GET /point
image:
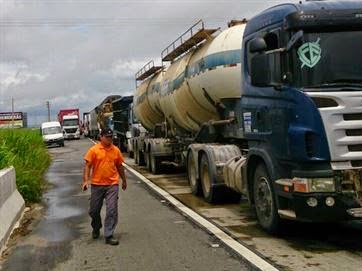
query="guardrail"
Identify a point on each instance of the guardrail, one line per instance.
(11, 204)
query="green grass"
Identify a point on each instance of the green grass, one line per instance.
(24, 149)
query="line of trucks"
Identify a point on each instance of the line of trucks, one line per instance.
(270, 108)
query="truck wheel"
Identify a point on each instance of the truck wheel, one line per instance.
(155, 164)
(140, 158)
(148, 160)
(135, 155)
(264, 198)
(208, 180)
(194, 180)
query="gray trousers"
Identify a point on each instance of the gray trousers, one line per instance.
(98, 194)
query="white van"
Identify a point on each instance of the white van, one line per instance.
(52, 133)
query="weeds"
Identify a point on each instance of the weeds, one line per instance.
(24, 149)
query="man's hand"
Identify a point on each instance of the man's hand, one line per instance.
(84, 186)
(124, 185)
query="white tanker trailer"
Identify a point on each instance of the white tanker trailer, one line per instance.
(188, 92)
(173, 102)
(176, 102)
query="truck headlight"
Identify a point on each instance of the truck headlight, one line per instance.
(311, 185)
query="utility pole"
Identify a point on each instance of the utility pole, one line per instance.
(12, 112)
(48, 107)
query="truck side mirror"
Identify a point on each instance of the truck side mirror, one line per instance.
(265, 69)
(257, 45)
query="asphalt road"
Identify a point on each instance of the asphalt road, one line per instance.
(152, 235)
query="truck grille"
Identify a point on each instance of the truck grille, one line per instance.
(71, 130)
(343, 126)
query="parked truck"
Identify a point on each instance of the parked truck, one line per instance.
(126, 125)
(86, 123)
(69, 119)
(269, 108)
(101, 116)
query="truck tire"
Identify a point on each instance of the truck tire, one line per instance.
(194, 181)
(155, 163)
(140, 158)
(264, 197)
(135, 155)
(148, 160)
(131, 153)
(212, 193)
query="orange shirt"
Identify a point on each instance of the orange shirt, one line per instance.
(104, 164)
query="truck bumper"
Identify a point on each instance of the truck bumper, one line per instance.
(317, 206)
(339, 211)
(72, 136)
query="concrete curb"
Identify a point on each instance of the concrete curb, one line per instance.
(12, 204)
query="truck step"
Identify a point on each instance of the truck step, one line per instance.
(355, 212)
(288, 214)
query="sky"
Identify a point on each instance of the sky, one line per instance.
(74, 53)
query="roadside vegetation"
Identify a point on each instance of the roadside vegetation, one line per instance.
(24, 149)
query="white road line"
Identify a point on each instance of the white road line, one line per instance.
(241, 250)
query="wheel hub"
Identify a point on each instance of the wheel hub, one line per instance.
(264, 198)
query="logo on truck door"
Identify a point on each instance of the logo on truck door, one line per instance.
(310, 53)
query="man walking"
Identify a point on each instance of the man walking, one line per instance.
(105, 160)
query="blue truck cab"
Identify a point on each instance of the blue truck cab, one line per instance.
(300, 114)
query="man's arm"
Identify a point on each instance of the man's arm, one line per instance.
(123, 177)
(86, 175)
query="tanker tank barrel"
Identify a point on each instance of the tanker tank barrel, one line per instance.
(176, 93)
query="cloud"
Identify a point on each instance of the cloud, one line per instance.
(14, 74)
(75, 53)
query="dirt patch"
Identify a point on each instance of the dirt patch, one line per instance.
(30, 218)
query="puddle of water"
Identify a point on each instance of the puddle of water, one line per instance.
(54, 231)
(62, 212)
(58, 161)
(193, 201)
(248, 231)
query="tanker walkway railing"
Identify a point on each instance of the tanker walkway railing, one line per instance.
(193, 36)
(147, 70)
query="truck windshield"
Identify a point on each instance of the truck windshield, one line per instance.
(70, 122)
(51, 130)
(329, 59)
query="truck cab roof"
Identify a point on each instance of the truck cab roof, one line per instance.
(50, 124)
(277, 14)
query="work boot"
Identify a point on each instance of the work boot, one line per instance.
(95, 234)
(112, 241)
